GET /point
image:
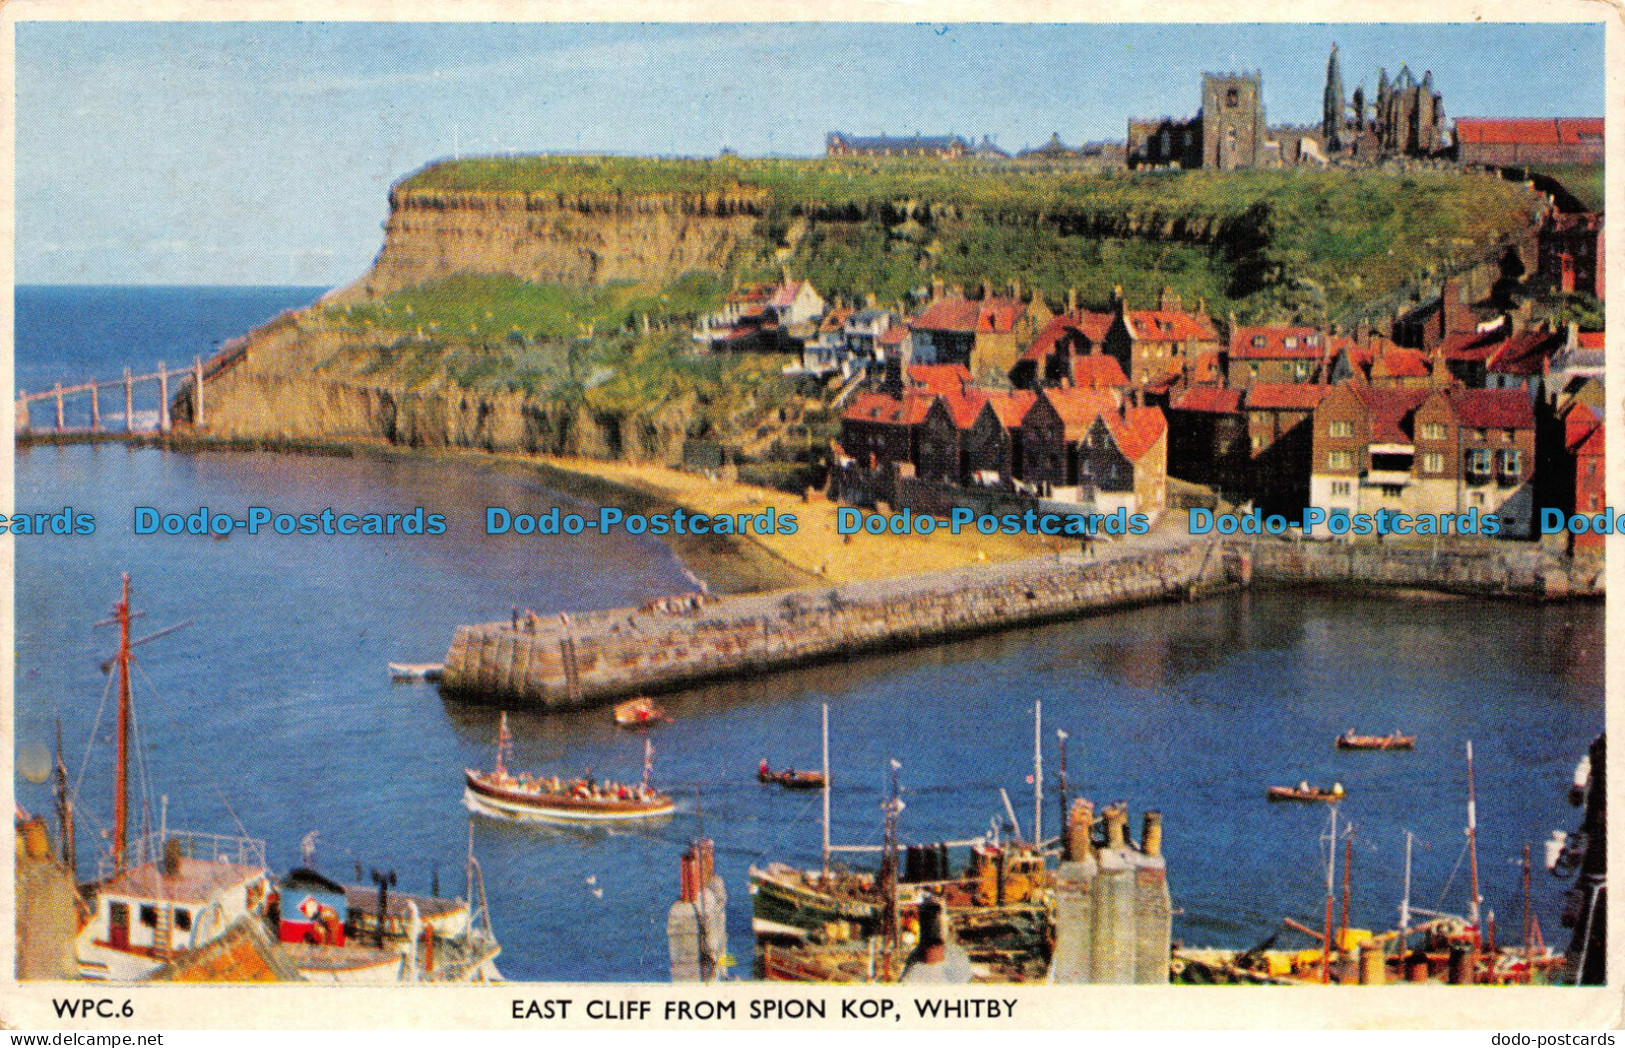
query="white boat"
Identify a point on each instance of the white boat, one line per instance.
(416, 670)
(501, 794)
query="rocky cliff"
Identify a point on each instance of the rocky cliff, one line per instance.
(552, 238)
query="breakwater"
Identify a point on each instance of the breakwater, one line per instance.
(576, 660)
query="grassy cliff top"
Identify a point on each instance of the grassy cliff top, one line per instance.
(861, 184)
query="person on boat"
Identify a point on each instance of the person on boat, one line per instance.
(1303, 786)
(1337, 789)
(761, 769)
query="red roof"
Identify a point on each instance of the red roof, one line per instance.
(1206, 368)
(1165, 325)
(1098, 369)
(1564, 131)
(987, 316)
(1272, 343)
(894, 335)
(1591, 339)
(1388, 408)
(1582, 429)
(1526, 353)
(1399, 362)
(1491, 408)
(1473, 345)
(1136, 431)
(1208, 398)
(939, 378)
(785, 294)
(1285, 396)
(1079, 407)
(1012, 407)
(963, 406)
(878, 407)
(1092, 326)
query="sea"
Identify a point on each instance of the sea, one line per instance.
(271, 713)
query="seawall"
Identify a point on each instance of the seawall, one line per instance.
(579, 660)
(576, 660)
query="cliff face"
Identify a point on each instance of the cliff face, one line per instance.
(546, 238)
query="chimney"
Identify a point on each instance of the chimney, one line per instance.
(1015, 288)
(987, 290)
(1362, 333)
(1169, 302)
(172, 857)
(1117, 826)
(1071, 300)
(936, 289)
(1457, 317)
(870, 300)
(1119, 304)
(1079, 823)
(1151, 835)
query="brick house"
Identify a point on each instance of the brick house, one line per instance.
(1280, 443)
(1521, 362)
(1052, 358)
(1207, 437)
(1572, 248)
(1051, 430)
(878, 429)
(1475, 449)
(1361, 450)
(1560, 140)
(980, 334)
(1581, 471)
(1151, 345)
(1274, 354)
(943, 445)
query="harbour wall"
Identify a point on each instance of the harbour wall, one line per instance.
(571, 661)
(568, 661)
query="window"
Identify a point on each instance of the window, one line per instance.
(1259, 341)
(1258, 442)
(1591, 468)
(1290, 342)
(1340, 429)
(1478, 498)
(1232, 97)
(1507, 435)
(1392, 491)
(149, 916)
(1433, 462)
(1596, 502)
(1340, 460)
(1509, 463)
(1432, 431)
(183, 919)
(1340, 487)
(1478, 463)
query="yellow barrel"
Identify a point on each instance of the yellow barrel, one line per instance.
(36, 841)
(1373, 966)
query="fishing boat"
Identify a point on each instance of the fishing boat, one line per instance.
(188, 906)
(1393, 741)
(403, 671)
(640, 712)
(789, 778)
(1305, 792)
(501, 794)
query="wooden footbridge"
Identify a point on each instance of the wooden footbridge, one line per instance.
(78, 408)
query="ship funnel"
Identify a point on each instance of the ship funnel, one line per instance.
(1151, 835)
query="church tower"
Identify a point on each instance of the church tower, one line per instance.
(1331, 123)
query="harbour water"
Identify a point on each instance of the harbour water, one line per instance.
(273, 709)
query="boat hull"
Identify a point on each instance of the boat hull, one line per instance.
(1376, 742)
(1284, 793)
(482, 798)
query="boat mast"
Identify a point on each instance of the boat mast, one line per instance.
(502, 744)
(1528, 936)
(121, 773)
(1472, 841)
(64, 806)
(1348, 864)
(888, 875)
(1060, 737)
(648, 760)
(826, 790)
(1405, 903)
(1331, 878)
(1038, 774)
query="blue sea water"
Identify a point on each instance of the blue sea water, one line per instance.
(273, 709)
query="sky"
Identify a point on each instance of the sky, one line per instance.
(254, 153)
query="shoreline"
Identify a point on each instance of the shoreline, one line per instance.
(741, 564)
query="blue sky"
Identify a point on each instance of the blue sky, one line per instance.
(262, 153)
